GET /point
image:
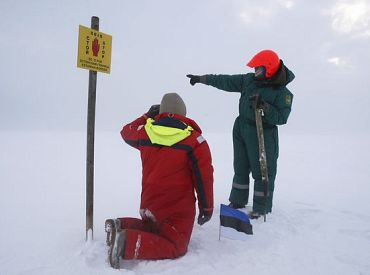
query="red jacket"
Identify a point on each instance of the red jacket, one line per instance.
(170, 174)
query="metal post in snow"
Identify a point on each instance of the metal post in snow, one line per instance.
(90, 145)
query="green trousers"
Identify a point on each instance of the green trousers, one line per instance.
(246, 161)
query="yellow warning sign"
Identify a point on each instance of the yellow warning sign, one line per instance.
(94, 50)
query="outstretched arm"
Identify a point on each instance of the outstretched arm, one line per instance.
(229, 83)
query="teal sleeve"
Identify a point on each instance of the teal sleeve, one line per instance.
(278, 113)
(229, 83)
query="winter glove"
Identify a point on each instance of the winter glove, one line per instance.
(204, 217)
(194, 79)
(257, 102)
(153, 111)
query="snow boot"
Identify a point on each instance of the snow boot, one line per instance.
(117, 244)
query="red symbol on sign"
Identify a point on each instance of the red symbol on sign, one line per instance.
(95, 47)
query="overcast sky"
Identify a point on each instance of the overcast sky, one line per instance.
(156, 43)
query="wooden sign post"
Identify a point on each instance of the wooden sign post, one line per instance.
(94, 54)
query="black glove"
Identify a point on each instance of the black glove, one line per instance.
(153, 111)
(257, 102)
(193, 79)
(204, 217)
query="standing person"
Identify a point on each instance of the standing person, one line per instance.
(176, 160)
(266, 89)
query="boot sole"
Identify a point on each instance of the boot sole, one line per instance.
(109, 227)
(111, 246)
(117, 249)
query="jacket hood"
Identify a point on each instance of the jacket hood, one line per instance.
(183, 119)
(168, 130)
(281, 78)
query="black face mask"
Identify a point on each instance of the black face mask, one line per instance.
(260, 73)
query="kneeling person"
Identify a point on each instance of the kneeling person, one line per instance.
(176, 165)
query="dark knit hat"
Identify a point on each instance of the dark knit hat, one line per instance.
(172, 103)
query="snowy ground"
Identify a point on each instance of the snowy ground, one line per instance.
(320, 223)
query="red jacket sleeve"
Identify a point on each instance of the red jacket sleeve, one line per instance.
(203, 174)
(131, 132)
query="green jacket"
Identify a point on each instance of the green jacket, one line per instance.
(273, 91)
